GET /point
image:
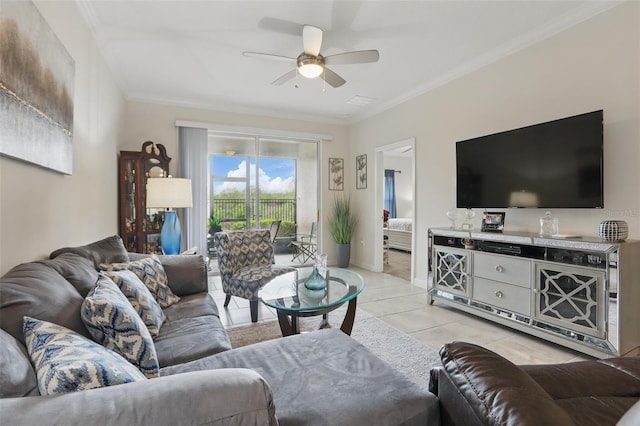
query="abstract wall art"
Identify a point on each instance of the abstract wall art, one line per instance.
(36, 90)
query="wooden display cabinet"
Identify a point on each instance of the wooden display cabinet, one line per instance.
(140, 227)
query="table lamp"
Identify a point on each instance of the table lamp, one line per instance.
(169, 193)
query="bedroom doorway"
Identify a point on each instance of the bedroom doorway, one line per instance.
(395, 195)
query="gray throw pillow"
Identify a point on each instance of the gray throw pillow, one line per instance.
(17, 377)
(107, 250)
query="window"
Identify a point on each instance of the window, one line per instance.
(255, 180)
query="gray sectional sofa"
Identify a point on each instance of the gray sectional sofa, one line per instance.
(322, 378)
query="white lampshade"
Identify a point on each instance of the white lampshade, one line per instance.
(169, 193)
(523, 199)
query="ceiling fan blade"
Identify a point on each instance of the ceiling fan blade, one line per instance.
(284, 78)
(269, 56)
(280, 26)
(358, 57)
(343, 14)
(312, 40)
(332, 78)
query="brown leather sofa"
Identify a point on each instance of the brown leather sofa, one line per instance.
(478, 387)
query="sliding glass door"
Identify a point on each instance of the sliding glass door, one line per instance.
(255, 180)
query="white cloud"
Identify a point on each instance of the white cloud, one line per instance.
(267, 184)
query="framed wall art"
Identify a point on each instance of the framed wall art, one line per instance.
(36, 90)
(361, 171)
(336, 174)
(492, 222)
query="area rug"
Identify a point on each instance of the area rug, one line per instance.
(407, 354)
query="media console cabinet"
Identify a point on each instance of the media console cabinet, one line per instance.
(582, 293)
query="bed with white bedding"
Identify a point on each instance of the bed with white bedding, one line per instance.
(400, 230)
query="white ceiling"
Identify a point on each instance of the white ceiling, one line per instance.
(189, 53)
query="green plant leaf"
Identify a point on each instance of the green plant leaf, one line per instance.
(342, 222)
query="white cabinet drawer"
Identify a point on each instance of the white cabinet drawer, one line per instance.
(502, 268)
(501, 295)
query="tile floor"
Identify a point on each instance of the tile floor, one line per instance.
(405, 307)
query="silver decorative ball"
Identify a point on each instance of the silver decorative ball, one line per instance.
(613, 230)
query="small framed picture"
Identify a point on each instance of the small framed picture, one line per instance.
(336, 174)
(361, 171)
(492, 221)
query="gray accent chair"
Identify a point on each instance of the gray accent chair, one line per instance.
(246, 263)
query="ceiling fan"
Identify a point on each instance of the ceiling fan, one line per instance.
(311, 64)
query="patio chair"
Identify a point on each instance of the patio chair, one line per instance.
(273, 229)
(246, 263)
(305, 245)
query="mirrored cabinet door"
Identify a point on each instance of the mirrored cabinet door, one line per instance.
(452, 270)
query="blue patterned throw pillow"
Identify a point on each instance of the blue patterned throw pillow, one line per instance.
(116, 325)
(140, 298)
(67, 362)
(152, 274)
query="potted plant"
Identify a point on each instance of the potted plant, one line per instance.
(214, 224)
(342, 224)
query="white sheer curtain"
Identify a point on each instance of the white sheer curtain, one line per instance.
(193, 165)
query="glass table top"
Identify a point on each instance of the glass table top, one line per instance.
(288, 293)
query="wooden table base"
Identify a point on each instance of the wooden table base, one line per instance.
(289, 323)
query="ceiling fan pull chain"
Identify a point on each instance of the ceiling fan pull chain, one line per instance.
(324, 80)
(296, 86)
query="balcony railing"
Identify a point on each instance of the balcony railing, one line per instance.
(234, 210)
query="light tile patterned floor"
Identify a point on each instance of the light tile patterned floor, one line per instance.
(406, 308)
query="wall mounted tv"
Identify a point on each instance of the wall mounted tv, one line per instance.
(557, 164)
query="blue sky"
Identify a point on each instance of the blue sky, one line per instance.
(276, 175)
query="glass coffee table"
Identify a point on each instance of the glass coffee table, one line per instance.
(291, 299)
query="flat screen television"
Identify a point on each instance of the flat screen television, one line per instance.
(557, 164)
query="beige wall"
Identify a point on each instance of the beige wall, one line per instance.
(157, 123)
(41, 210)
(594, 65)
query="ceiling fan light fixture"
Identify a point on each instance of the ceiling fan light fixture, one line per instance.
(310, 66)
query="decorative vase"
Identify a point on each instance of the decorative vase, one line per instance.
(171, 233)
(452, 215)
(343, 252)
(613, 230)
(548, 225)
(469, 214)
(315, 281)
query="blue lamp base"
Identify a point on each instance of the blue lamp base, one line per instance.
(171, 233)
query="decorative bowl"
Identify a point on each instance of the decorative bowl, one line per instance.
(613, 230)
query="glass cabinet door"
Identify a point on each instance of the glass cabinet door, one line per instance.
(140, 227)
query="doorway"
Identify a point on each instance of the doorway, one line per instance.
(395, 199)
